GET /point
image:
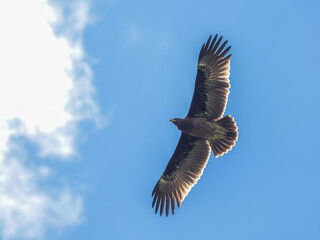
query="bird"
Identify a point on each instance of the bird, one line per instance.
(202, 130)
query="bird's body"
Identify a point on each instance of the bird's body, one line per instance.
(203, 129)
(200, 127)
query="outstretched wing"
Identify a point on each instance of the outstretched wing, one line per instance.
(212, 82)
(182, 173)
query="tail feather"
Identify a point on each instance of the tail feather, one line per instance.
(221, 146)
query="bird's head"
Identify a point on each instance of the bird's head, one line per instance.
(176, 121)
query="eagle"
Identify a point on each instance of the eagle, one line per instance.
(202, 130)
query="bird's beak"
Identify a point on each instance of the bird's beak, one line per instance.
(171, 120)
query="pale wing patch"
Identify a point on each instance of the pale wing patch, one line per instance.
(217, 85)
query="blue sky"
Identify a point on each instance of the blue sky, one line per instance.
(142, 58)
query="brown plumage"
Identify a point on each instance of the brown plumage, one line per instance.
(202, 129)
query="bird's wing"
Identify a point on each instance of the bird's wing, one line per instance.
(212, 82)
(182, 173)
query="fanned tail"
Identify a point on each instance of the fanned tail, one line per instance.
(221, 146)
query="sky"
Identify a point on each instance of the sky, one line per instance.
(87, 89)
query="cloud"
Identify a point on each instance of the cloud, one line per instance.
(45, 91)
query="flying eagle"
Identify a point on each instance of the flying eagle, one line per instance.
(203, 128)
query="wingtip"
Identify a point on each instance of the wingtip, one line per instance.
(154, 201)
(228, 57)
(208, 42)
(161, 205)
(164, 204)
(157, 204)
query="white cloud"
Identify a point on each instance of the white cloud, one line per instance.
(45, 90)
